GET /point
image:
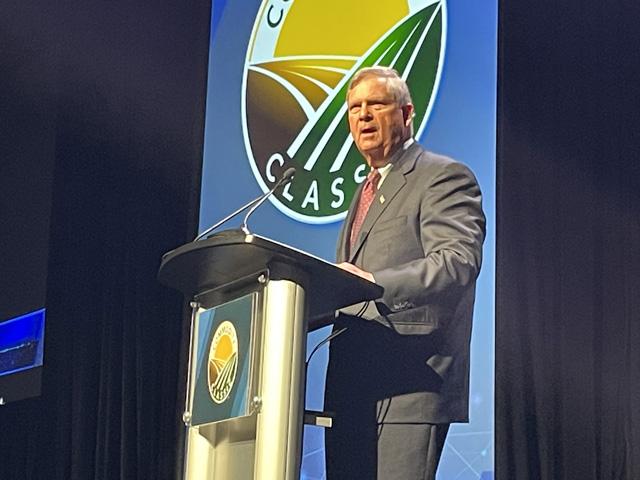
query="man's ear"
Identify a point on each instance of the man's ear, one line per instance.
(407, 114)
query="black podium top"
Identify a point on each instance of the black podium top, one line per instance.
(231, 255)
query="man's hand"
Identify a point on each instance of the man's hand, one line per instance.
(349, 267)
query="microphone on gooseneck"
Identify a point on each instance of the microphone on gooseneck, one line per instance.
(255, 203)
(286, 177)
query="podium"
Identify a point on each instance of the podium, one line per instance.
(253, 301)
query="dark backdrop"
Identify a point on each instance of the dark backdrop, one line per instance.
(102, 123)
(27, 143)
(101, 130)
(568, 241)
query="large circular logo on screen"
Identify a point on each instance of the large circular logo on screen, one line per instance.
(223, 361)
(300, 59)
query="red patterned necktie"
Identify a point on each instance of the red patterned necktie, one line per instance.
(366, 198)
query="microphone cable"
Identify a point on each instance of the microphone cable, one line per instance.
(336, 333)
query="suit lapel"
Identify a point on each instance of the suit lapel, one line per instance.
(394, 182)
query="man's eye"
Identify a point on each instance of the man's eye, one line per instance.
(355, 109)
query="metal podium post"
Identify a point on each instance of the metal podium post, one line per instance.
(279, 432)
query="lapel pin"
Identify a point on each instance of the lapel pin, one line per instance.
(381, 198)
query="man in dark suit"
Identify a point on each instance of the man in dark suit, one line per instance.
(399, 375)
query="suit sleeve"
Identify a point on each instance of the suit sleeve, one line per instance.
(451, 230)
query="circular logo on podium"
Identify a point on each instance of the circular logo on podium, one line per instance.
(223, 361)
(300, 59)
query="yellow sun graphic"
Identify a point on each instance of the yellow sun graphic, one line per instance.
(335, 27)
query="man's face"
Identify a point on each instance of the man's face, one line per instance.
(377, 123)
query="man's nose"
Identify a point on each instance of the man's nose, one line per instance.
(364, 111)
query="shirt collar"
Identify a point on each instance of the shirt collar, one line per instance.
(384, 171)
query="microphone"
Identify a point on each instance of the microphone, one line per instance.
(286, 177)
(256, 202)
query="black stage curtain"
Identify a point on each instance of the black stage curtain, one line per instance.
(118, 87)
(568, 252)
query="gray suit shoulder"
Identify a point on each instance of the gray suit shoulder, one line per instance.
(433, 163)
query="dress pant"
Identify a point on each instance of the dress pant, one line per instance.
(366, 366)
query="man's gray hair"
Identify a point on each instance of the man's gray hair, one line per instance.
(397, 86)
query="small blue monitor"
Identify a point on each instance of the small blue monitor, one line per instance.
(21, 356)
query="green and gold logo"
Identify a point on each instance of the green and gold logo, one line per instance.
(223, 361)
(301, 57)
